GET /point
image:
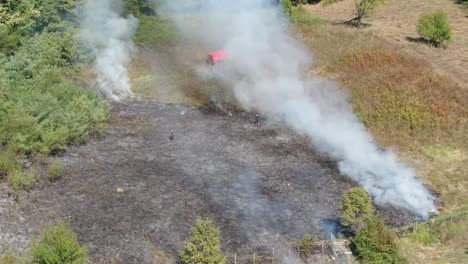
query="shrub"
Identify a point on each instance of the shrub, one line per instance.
(20, 180)
(365, 8)
(55, 169)
(435, 27)
(139, 7)
(376, 244)
(306, 245)
(8, 163)
(299, 2)
(357, 208)
(58, 245)
(204, 245)
(287, 8)
(329, 2)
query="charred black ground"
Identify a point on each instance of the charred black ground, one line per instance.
(259, 183)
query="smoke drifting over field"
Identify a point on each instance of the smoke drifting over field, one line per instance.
(265, 70)
(109, 36)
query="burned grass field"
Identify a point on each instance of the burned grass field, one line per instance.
(133, 194)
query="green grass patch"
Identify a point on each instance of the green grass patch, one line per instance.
(21, 180)
(442, 229)
(156, 31)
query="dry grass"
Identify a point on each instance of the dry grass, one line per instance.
(398, 96)
(396, 21)
(169, 76)
(408, 106)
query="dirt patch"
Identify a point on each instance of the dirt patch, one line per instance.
(136, 192)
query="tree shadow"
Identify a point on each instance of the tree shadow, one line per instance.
(419, 40)
(352, 24)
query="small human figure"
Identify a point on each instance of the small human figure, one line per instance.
(171, 137)
(257, 119)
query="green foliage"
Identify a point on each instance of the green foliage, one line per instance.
(329, 2)
(306, 245)
(365, 8)
(45, 113)
(204, 246)
(26, 18)
(376, 244)
(404, 109)
(435, 27)
(8, 163)
(139, 7)
(357, 208)
(58, 245)
(424, 235)
(302, 17)
(156, 31)
(20, 180)
(287, 7)
(299, 2)
(441, 229)
(55, 169)
(41, 109)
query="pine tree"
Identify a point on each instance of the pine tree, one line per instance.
(356, 208)
(204, 245)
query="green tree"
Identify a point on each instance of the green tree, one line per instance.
(435, 27)
(139, 7)
(356, 208)
(58, 245)
(365, 8)
(204, 246)
(375, 243)
(287, 7)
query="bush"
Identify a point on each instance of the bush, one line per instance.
(20, 180)
(306, 245)
(299, 2)
(435, 27)
(204, 246)
(287, 7)
(8, 163)
(55, 169)
(329, 2)
(357, 208)
(376, 244)
(58, 245)
(365, 8)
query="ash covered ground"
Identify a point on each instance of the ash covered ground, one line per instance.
(260, 184)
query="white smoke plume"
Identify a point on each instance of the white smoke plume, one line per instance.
(109, 36)
(265, 70)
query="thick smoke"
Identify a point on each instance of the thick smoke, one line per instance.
(109, 36)
(265, 70)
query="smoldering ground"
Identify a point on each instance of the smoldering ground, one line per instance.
(259, 184)
(109, 36)
(265, 72)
